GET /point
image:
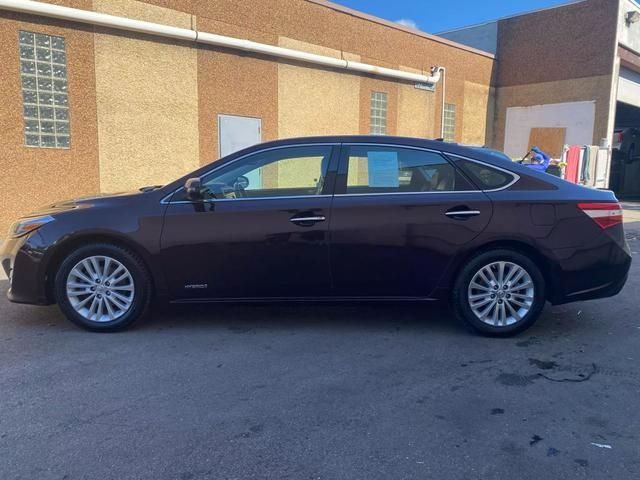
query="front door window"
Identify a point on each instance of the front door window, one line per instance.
(283, 172)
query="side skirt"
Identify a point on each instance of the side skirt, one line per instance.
(303, 300)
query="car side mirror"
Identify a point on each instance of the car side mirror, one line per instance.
(193, 187)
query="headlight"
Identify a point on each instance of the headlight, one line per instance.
(27, 225)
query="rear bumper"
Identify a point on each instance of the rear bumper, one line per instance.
(21, 260)
(607, 290)
(590, 274)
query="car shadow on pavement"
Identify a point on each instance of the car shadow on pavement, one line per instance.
(427, 316)
(424, 318)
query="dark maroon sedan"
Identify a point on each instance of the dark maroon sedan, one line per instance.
(329, 218)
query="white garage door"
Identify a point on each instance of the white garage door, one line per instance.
(578, 118)
(629, 87)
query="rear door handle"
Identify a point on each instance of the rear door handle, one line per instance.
(308, 220)
(462, 213)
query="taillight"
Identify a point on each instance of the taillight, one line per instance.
(620, 137)
(606, 215)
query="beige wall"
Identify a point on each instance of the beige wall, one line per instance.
(233, 84)
(477, 107)
(32, 177)
(147, 101)
(416, 110)
(316, 101)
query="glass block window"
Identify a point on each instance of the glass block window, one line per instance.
(449, 122)
(43, 66)
(378, 122)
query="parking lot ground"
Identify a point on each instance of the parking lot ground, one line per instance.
(322, 392)
(631, 213)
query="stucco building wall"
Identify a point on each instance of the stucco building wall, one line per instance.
(556, 56)
(31, 177)
(144, 110)
(147, 101)
(316, 101)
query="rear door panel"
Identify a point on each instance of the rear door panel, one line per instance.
(398, 244)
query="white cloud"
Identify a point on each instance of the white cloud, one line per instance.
(407, 22)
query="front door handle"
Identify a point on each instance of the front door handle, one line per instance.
(307, 220)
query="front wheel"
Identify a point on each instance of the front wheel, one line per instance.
(103, 287)
(499, 293)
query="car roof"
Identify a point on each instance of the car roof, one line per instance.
(481, 154)
(475, 152)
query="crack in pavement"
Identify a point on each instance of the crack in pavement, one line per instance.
(587, 377)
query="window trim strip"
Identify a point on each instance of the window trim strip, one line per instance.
(165, 200)
(515, 176)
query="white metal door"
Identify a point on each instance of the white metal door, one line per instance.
(602, 168)
(236, 133)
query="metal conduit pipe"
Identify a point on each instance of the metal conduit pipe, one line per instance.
(442, 71)
(167, 31)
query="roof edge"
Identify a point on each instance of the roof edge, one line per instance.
(397, 26)
(515, 15)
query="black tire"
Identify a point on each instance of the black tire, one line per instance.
(460, 294)
(135, 266)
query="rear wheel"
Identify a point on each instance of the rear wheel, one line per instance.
(103, 287)
(499, 293)
(631, 154)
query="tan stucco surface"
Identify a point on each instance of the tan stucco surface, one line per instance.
(476, 108)
(233, 84)
(32, 177)
(147, 101)
(416, 109)
(314, 101)
(374, 84)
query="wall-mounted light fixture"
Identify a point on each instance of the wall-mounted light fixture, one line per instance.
(632, 17)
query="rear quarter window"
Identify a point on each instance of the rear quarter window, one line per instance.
(485, 177)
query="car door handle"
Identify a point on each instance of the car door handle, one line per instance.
(462, 213)
(310, 219)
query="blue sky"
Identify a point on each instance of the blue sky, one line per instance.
(437, 15)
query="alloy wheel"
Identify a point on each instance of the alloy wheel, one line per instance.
(501, 293)
(100, 288)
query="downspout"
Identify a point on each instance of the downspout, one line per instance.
(613, 99)
(443, 72)
(184, 34)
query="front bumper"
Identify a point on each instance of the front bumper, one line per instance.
(21, 260)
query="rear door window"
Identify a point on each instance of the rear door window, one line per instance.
(485, 177)
(375, 169)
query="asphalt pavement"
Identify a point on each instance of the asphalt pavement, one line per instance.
(322, 392)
